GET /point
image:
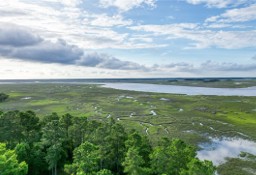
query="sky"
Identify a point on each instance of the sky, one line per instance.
(127, 38)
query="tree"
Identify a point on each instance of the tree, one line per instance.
(104, 172)
(10, 128)
(141, 143)
(171, 159)
(197, 167)
(9, 164)
(30, 126)
(23, 152)
(113, 151)
(66, 121)
(37, 164)
(3, 97)
(78, 130)
(18, 126)
(133, 163)
(33, 155)
(86, 159)
(177, 158)
(53, 138)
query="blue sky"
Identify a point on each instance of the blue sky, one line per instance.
(127, 38)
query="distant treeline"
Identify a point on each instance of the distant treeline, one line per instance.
(76, 145)
(127, 80)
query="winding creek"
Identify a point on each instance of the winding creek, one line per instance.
(218, 149)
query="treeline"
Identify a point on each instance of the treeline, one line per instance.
(76, 145)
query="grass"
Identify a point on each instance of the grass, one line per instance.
(191, 118)
(239, 166)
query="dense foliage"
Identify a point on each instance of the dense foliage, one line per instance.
(3, 97)
(9, 163)
(80, 146)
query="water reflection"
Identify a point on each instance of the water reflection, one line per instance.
(219, 149)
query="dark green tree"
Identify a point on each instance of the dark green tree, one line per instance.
(86, 160)
(23, 151)
(171, 159)
(66, 121)
(38, 164)
(133, 163)
(30, 126)
(3, 97)
(141, 143)
(78, 130)
(10, 128)
(177, 158)
(114, 150)
(53, 138)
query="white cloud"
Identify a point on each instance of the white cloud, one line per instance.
(201, 38)
(235, 15)
(108, 62)
(208, 67)
(71, 3)
(143, 38)
(33, 70)
(226, 25)
(218, 25)
(104, 20)
(240, 15)
(220, 149)
(19, 43)
(223, 39)
(227, 66)
(12, 35)
(126, 5)
(219, 3)
(71, 23)
(167, 29)
(229, 17)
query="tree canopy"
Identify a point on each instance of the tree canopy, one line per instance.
(79, 146)
(9, 164)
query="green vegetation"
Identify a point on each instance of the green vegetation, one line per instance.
(3, 97)
(9, 164)
(100, 148)
(248, 162)
(192, 119)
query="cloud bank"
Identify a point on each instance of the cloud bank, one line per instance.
(20, 43)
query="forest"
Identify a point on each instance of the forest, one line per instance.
(67, 144)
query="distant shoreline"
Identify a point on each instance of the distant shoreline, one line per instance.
(211, 82)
